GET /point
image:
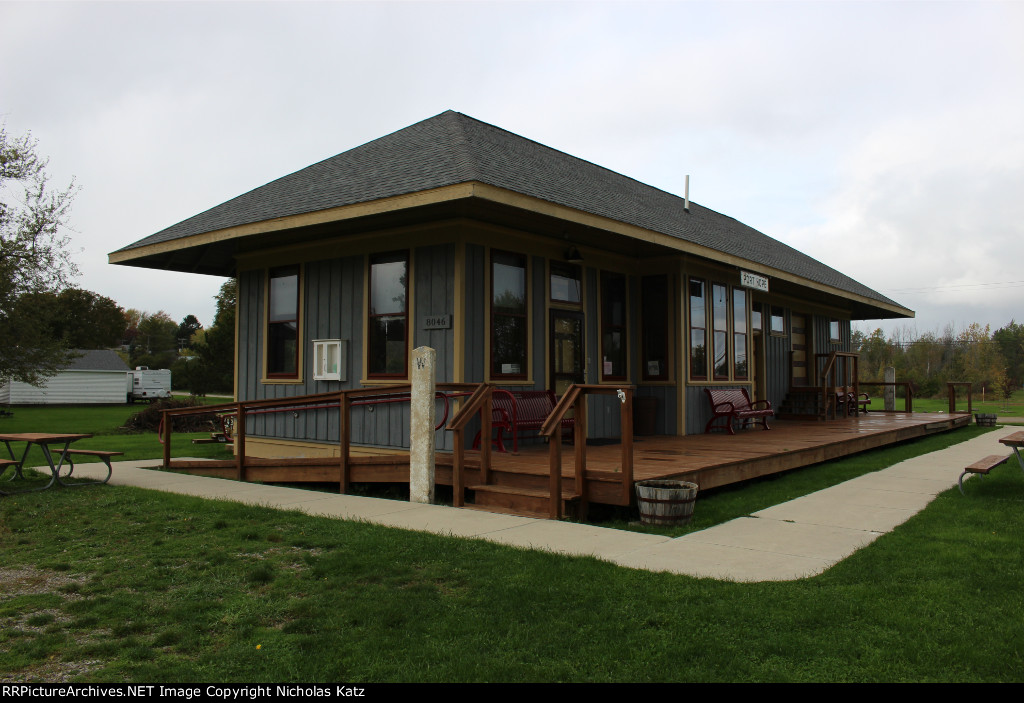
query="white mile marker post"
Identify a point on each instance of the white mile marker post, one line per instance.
(421, 426)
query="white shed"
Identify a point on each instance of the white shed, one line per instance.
(94, 376)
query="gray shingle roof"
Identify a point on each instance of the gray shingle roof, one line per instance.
(453, 148)
(96, 360)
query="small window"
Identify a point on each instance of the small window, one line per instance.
(833, 332)
(283, 323)
(778, 320)
(755, 318)
(508, 315)
(565, 283)
(330, 360)
(613, 327)
(387, 350)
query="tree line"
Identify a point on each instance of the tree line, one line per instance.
(44, 318)
(992, 362)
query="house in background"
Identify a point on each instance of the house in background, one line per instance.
(93, 376)
(521, 266)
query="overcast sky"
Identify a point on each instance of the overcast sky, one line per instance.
(884, 139)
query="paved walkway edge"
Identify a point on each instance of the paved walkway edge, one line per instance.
(794, 540)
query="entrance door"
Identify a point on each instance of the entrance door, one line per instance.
(566, 349)
(799, 339)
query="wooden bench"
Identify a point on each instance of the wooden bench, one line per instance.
(846, 399)
(734, 404)
(519, 412)
(982, 466)
(102, 455)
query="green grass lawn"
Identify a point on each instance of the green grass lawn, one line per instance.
(1014, 407)
(122, 584)
(105, 423)
(111, 583)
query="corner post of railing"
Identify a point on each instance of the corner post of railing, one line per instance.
(555, 474)
(579, 441)
(909, 395)
(486, 417)
(951, 389)
(856, 381)
(166, 430)
(458, 456)
(240, 441)
(344, 440)
(970, 389)
(626, 423)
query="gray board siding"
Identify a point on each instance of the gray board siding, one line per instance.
(333, 308)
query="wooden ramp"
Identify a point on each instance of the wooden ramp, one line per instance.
(708, 460)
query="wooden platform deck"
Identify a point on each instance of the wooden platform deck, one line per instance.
(709, 460)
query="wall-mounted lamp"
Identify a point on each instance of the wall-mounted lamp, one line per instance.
(573, 256)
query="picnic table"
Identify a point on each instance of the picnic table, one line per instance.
(43, 440)
(1015, 441)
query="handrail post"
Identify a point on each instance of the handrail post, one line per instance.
(458, 492)
(856, 382)
(167, 438)
(486, 418)
(555, 476)
(344, 440)
(951, 391)
(579, 440)
(626, 426)
(240, 442)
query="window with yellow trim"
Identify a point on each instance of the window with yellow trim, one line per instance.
(283, 323)
(509, 306)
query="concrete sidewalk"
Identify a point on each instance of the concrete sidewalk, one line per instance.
(794, 540)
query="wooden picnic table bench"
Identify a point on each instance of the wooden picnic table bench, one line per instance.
(519, 412)
(1015, 441)
(982, 466)
(733, 405)
(102, 455)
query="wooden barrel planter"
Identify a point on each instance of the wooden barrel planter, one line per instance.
(664, 502)
(985, 419)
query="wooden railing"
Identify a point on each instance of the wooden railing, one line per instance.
(575, 400)
(837, 373)
(908, 394)
(479, 402)
(951, 386)
(343, 400)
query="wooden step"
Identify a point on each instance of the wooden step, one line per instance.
(515, 500)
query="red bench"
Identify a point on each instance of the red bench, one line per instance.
(848, 400)
(517, 412)
(733, 404)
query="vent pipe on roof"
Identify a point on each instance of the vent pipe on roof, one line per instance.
(686, 195)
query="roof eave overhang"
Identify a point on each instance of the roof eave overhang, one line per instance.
(157, 254)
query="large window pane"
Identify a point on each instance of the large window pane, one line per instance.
(698, 330)
(739, 337)
(388, 324)
(283, 323)
(508, 315)
(654, 302)
(613, 326)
